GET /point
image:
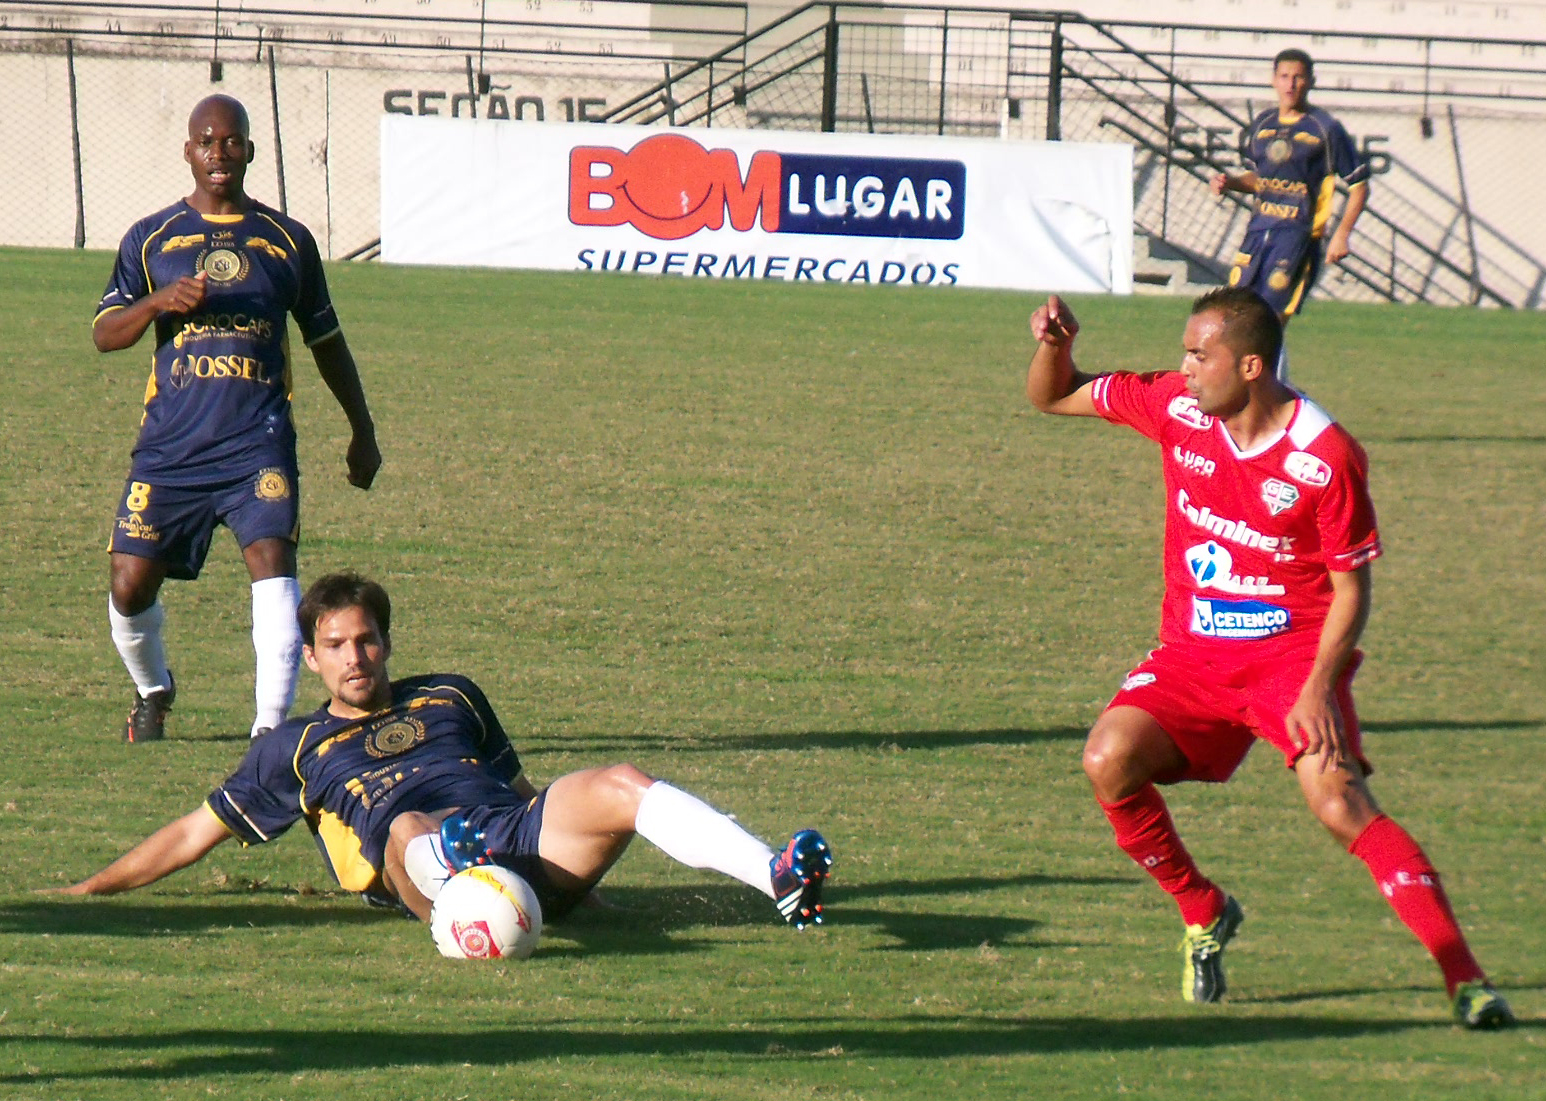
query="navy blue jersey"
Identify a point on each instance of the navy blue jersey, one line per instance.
(439, 745)
(217, 405)
(1298, 163)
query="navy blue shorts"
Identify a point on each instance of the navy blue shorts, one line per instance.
(1280, 264)
(175, 524)
(511, 834)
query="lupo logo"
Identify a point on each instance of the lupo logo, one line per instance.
(669, 187)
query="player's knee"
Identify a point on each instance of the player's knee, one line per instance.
(1344, 813)
(132, 595)
(624, 784)
(1106, 756)
(405, 827)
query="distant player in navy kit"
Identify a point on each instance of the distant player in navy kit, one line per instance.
(1294, 152)
(405, 782)
(216, 274)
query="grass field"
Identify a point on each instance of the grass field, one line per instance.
(807, 552)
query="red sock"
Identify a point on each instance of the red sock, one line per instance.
(1411, 886)
(1146, 833)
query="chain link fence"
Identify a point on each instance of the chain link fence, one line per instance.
(108, 91)
(1453, 126)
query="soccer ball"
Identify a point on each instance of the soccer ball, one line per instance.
(486, 913)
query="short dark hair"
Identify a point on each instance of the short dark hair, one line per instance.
(1251, 326)
(337, 591)
(1293, 54)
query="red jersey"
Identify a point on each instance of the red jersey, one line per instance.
(1250, 537)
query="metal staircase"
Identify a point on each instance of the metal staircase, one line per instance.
(862, 67)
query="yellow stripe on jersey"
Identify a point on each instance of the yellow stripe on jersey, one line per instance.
(1322, 212)
(354, 872)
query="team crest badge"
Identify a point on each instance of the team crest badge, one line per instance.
(395, 737)
(271, 485)
(223, 265)
(1279, 495)
(1279, 150)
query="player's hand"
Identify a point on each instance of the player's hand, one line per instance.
(1337, 248)
(1218, 184)
(1314, 725)
(1054, 323)
(183, 296)
(363, 459)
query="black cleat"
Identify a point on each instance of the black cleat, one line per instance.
(1202, 977)
(147, 718)
(1479, 1006)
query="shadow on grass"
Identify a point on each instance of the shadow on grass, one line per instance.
(1407, 726)
(886, 740)
(190, 1053)
(634, 921)
(1451, 438)
(637, 913)
(113, 917)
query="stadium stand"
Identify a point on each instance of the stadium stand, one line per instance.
(1450, 108)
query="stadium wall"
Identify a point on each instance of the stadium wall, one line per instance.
(325, 96)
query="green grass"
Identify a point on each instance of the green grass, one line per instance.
(807, 552)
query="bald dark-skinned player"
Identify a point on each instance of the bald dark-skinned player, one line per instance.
(218, 275)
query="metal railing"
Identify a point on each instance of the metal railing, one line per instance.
(967, 71)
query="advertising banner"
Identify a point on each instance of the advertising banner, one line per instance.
(757, 204)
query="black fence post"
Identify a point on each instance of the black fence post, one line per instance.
(829, 77)
(75, 148)
(279, 149)
(1055, 84)
(944, 68)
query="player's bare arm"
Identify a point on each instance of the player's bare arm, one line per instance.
(1247, 183)
(118, 329)
(1315, 721)
(171, 848)
(1053, 384)
(336, 365)
(1339, 246)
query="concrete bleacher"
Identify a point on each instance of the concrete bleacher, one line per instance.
(357, 32)
(1461, 115)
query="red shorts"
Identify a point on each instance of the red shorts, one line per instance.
(1214, 713)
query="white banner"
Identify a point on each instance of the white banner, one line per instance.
(757, 204)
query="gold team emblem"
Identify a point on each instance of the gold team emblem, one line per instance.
(1278, 280)
(394, 738)
(223, 265)
(1279, 150)
(272, 485)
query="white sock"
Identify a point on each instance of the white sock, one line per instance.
(691, 832)
(276, 639)
(139, 642)
(424, 859)
(1281, 369)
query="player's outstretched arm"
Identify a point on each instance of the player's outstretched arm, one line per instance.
(116, 329)
(171, 848)
(336, 365)
(1053, 384)
(1247, 183)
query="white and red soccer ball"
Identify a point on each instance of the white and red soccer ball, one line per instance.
(486, 913)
